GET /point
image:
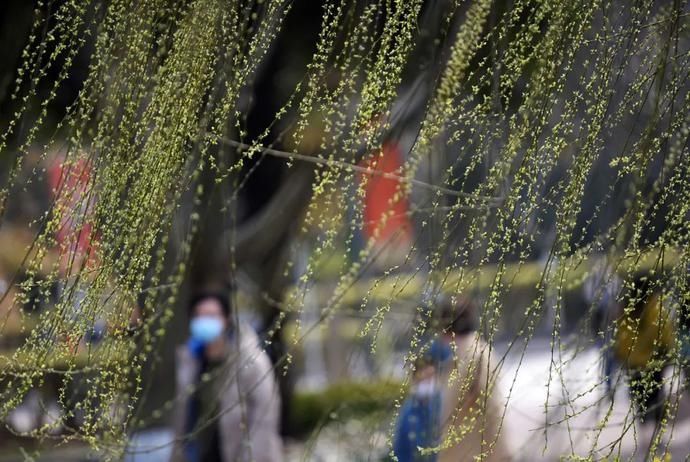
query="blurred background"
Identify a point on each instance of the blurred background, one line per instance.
(553, 186)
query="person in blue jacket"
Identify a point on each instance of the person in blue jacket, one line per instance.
(418, 425)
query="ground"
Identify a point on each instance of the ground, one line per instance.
(530, 439)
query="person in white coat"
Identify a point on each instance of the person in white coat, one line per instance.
(471, 408)
(228, 405)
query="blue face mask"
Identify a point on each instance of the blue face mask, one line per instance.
(205, 329)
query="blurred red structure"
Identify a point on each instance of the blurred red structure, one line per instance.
(72, 191)
(386, 208)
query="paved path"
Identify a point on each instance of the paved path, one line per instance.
(581, 420)
(577, 409)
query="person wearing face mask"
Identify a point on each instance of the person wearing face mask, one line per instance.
(418, 424)
(228, 407)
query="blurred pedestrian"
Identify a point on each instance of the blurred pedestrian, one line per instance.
(644, 342)
(471, 412)
(601, 290)
(418, 426)
(683, 316)
(230, 406)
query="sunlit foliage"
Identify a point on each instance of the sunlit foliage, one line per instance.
(548, 131)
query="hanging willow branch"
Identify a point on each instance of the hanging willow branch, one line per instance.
(537, 147)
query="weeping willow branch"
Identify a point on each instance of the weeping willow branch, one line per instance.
(348, 167)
